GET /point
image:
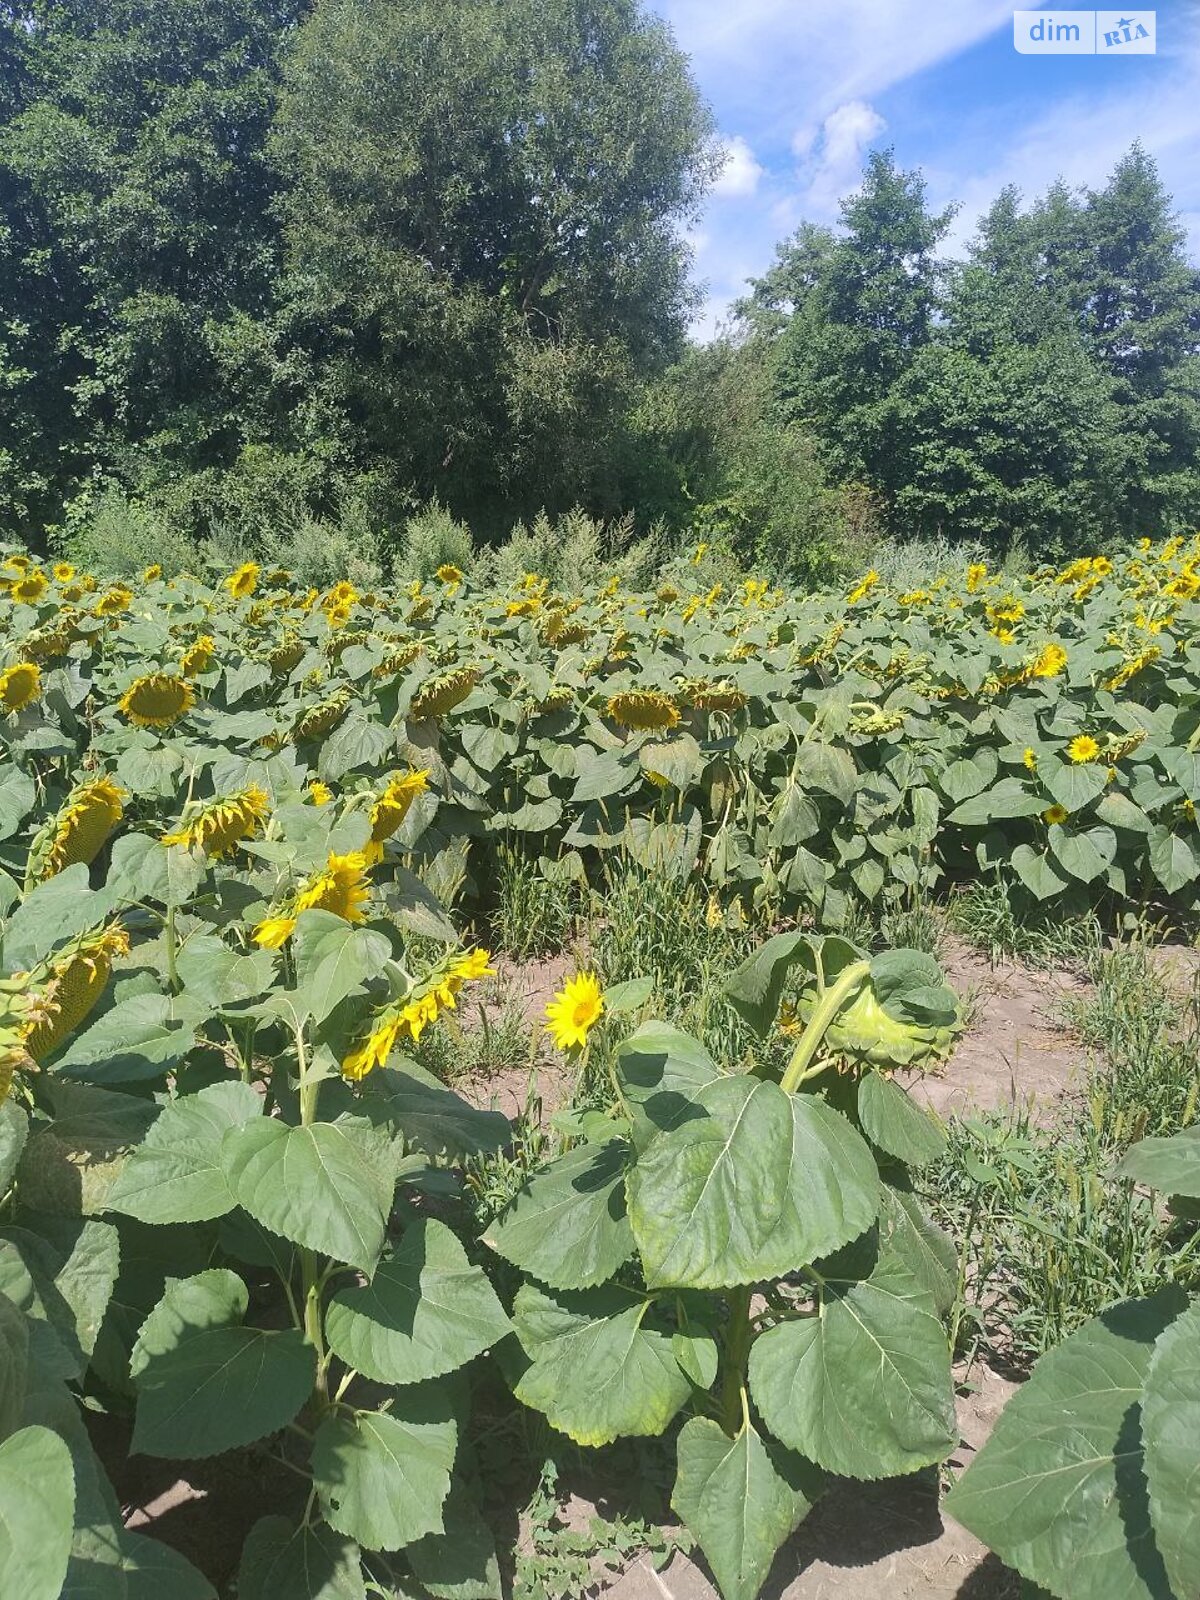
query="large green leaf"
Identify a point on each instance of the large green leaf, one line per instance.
(411, 1101)
(894, 1122)
(753, 1184)
(333, 958)
(1170, 1431)
(37, 1507)
(14, 1364)
(318, 1186)
(459, 1563)
(14, 1130)
(62, 1278)
(135, 1040)
(153, 1569)
(928, 1251)
(205, 1384)
(1074, 785)
(177, 1174)
(741, 1498)
(70, 1165)
(1083, 853)
(756, 989)
(661, 1070)
(863, 1387)
(283, 1562)
(425, 1311)
(1170, 1165)
(1058, 1491)
(596, 1371)
(383, 1477)
(568, 1225)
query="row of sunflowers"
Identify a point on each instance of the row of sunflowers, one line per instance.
(241, 826)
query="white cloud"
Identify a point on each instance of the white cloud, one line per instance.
(741, 171)
(831, 163)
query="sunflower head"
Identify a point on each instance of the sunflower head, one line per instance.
(392, 805)
(723, 697)
(79, 829)
(70, 984)
(198, 656)
(340, 886)
(322, 718)
(113, 601)
(647, 709)
(63, 571)
(20, 686)
(450, 575)
(1055, 813)
(404, 1021)
(157, 700)
(574, 1011)
(1050, 662)
(218, 826)
(443, 693)
(319, 793)
(403, 656)
(242, 583)
(1030, 758)
(1083, 748)
(30, 586)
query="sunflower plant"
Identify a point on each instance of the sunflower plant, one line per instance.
(1087, 1486)
(729, 1255)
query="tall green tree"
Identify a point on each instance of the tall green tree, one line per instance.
(865, 309)
(135, 223)
(483, 225)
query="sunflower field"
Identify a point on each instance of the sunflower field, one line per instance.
(245, 830)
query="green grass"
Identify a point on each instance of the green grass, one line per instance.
(537, 903)
(1047, 1236)
(985, 915)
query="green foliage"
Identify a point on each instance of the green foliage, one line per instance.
(740, 1249)
(1047, 1240)
(1085, 1485)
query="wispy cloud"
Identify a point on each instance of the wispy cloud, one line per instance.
(741, 171)
(810, 88)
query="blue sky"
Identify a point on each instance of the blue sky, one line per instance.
(802, 89)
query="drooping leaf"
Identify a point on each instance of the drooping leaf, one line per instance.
(597, 1372)
(741, 1498)
(864, 1388)
(1171, 1164)
(383, 1477)
(1059, 1491)
(310, 1562)
(426, 1311)
(568, 1226)
(894, 1122)
(459, 1563)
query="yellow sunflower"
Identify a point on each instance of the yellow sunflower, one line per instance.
(30, 588)
(406, 1020)
(863, 587)
(242, 583)
(1083, 748)
(450, 575)
(20, 685)
(113, 601)
(443, 693)
(1055, 813)
(392, 806)
(1030, 758)
(221, 824)
(198, 656)
(74, 981)
(64, 572)
(157, 700)
(574, 1011)
(79, 829)
(319, 793)
(1050, 662)
(151, 573)
(642, 709)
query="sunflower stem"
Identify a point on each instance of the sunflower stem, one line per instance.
(824, 1012)
(737, 1354)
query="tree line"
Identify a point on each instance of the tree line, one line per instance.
(273, 261)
